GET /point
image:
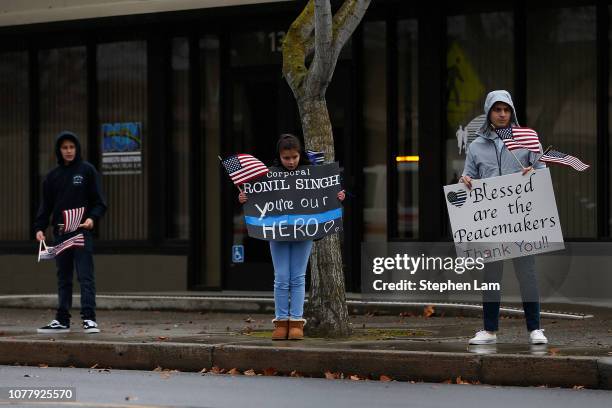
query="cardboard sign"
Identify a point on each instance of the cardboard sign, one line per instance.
(505, 217)
(297, 205)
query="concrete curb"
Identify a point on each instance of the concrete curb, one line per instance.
(265, 305)
(498, 369)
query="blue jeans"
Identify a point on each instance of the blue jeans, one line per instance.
(290, 259)
(82, 259)
(524, 268)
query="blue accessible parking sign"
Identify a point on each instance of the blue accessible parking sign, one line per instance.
(238, 253)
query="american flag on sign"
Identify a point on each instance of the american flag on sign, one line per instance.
(315, 157)
(554, 156)
(72, 219)
(243, 167)
(519, 138)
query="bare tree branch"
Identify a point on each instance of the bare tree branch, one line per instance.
(322, 67)
(295, 50)
(346, 20)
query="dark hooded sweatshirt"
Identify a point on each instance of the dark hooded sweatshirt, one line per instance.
(70, 186)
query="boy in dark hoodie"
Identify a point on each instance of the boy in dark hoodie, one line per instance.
(72, 197)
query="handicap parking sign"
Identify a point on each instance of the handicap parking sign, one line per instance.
(238, 253)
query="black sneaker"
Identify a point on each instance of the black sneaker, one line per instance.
(54, 327)
(90, 326)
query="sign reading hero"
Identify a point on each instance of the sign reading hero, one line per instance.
(296, 205)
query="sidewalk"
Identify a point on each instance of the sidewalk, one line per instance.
(403, 346)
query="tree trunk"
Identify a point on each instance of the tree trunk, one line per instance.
(318, 33)
(326, 309)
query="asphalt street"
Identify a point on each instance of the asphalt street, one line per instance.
(121, 388)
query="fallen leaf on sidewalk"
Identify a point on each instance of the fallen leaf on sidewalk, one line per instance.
(428, 311)
(94, 366)
(270, 371)
(216, 370)
(158, 369)
(234, 371)
(458, 380)
(295, 374)
(578, 387)
(43, 366)
(332, 376)
(355, 377)
(162, 338)
(203, 371)
(250, 372)
(384, 378)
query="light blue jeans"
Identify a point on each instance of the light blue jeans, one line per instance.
(290, 259)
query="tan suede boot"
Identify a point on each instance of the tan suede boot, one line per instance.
(296, 329)
(281, 328)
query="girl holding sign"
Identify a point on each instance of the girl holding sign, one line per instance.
(290, 258)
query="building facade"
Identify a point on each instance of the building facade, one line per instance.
(181, 82)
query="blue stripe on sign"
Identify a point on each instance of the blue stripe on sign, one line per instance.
(290, 219)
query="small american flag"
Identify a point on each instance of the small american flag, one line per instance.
(315, 157)
(72, 219)
(243, 167)
(519, 138)
(45, 252)
(554, 156)
(49, 252)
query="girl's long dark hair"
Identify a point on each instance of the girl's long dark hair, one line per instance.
(287, 141)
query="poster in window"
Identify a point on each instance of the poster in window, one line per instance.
(121, 148)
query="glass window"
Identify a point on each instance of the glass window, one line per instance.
(610, 104)
(178, 168)
(480, 58)
(122, 104)
(210, 118)
(408, 135)
(14, 147)
(561, 106)
(257, 48)
(375, 132)
(63, 100)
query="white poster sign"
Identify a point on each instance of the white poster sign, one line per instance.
(505, 217)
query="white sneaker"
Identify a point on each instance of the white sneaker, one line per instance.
(54, 327)
(89, 326)
(484, 337)
(537, 337)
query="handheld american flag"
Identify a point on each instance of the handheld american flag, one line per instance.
(72, 219)
(49, 252)
(315, 157)
(243, 167)
(554, 156)
(46, 253)
(519, 138)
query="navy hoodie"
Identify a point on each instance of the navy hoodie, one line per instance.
(70, 186)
